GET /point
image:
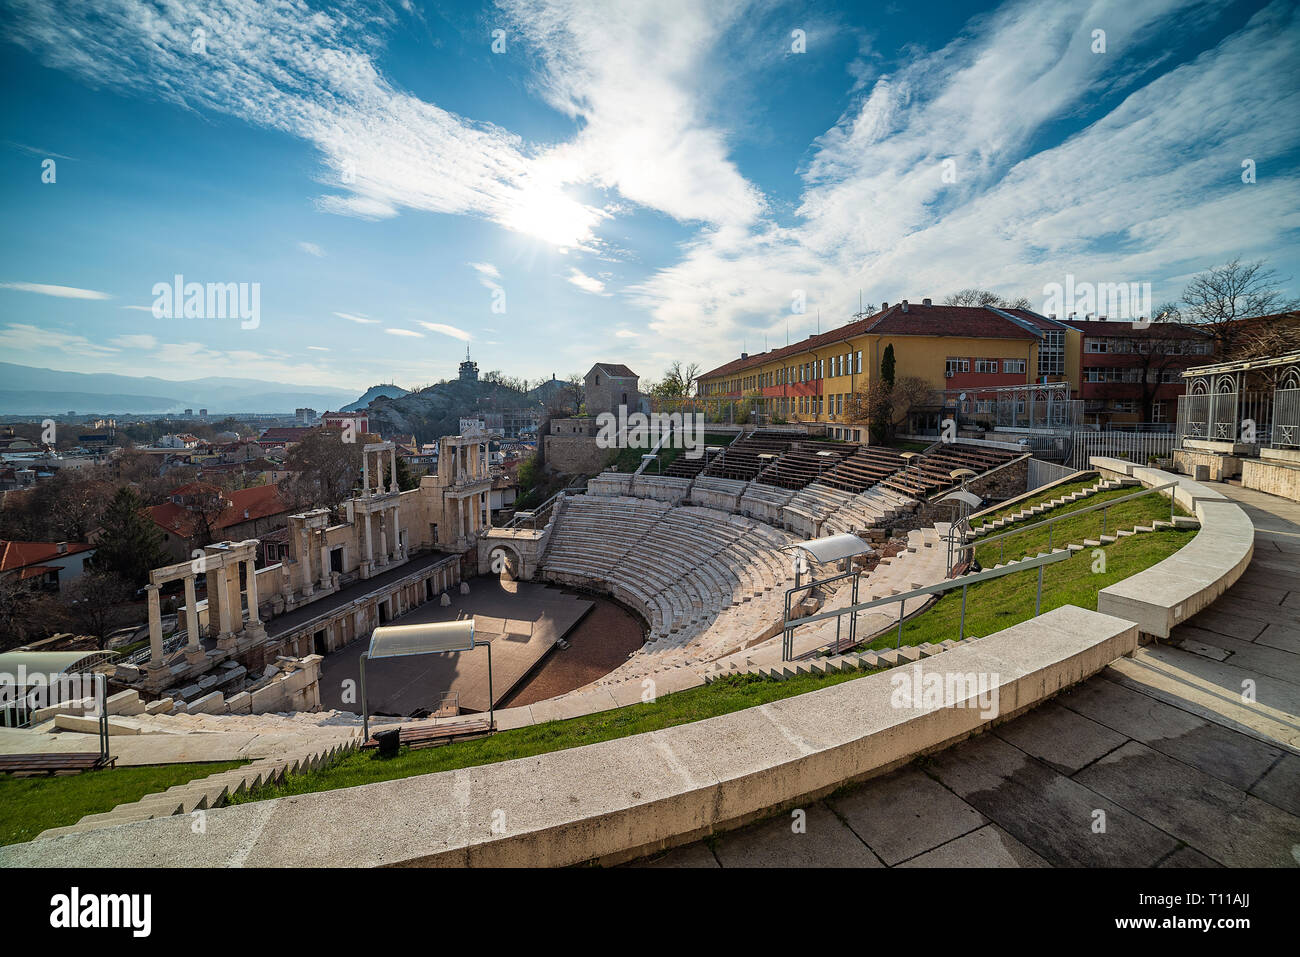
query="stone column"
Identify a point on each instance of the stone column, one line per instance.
(307, 585)
(254, 619)
(192, 617)
(250, 570)
(219, 582)
(325, 580)
(397, 535)
(392, 461)
(365, 472)
(383, 541)
(155, 628)
(368, 563)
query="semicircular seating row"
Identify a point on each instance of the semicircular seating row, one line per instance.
(681, 567)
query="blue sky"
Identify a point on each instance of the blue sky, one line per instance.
(635, 181)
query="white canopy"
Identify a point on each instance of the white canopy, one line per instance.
(961, 495)
(833, 548)
(393, 641)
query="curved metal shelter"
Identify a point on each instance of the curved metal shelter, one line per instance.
(832, 548)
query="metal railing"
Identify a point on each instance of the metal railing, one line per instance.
(1103, 507)
(17, 702)
(962, 581)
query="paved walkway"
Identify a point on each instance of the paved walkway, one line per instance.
(1159, 761)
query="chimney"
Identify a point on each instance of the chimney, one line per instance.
(905, 305)
(744, 355)
(61, 548)
(926, 302)
(884, 306)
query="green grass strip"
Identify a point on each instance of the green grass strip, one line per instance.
(723, 696)
(31, 805)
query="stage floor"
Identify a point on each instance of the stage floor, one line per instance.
(522, 619)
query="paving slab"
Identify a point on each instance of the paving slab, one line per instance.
(1280, 785)
(692, 855)
(1223, 822)
(1187, 857)
(1231, 757)
(827, 842)
(1214, 690)
(905, 814)
(988, 846)
(1047, 811)
(1062, 739)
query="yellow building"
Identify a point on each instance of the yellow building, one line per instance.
(961, 348)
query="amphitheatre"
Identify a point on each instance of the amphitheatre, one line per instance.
(1120, 640)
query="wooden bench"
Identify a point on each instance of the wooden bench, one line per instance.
(54, 763)
(433, 736)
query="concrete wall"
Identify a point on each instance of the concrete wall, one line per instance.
(1275, 479)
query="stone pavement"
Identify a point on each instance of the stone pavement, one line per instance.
(1159, 761)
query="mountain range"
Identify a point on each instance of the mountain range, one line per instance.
(25, 390)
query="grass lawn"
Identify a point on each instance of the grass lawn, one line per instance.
(1065, 488)
(629, 459)
(1003, 602)
(1029, 541)
(31, 805)
(732, 693)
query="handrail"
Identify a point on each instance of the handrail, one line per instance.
(962, 582)
(1072, 513)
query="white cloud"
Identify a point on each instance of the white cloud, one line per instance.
(446, 330)
(318, 349)
(1141, 193)
(312, 249)
(357, 318)
(625, 334)
(59, 292)
(587, 283)
(486, 269)
(21, 337)
(630, 72)
(405, 332)
(135, 341)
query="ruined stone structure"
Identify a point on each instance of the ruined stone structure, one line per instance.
(328, 567)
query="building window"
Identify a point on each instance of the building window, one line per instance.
(953, 366)
(859, 362)
(1013, 365)
(1051, 353)
(986, 366)
(1095, 345)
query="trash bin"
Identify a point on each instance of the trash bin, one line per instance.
(388, 742)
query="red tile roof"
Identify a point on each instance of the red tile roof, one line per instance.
(21, 554)
(1115, 327)
(261, 501)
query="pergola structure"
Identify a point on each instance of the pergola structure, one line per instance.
(1253, 402)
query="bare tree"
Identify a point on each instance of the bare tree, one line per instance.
(325, 470)
(983, 297)
(95, 603)
(1218, 297)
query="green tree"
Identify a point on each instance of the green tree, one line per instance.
(887, 365)
(129, 543)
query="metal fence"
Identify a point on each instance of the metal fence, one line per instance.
(1135, 446)
(1045, 473)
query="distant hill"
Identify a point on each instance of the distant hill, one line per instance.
(437, 410)
(375, 391)
(31, 391)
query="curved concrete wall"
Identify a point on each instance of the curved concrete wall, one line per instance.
(1194, 576)
(619, 798)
